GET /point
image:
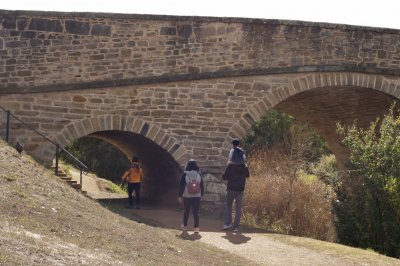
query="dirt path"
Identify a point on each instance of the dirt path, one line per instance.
(260, 247)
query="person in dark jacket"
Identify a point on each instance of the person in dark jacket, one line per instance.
(191, 189)
(236, 174)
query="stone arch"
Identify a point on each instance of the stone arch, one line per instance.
(156, 134)
(313, 81)
(163, 157)
(274, 97)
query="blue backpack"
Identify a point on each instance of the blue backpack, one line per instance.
(238, 156)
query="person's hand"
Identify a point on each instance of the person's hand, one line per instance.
(180, 200)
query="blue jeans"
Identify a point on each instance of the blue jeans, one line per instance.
(230, 197)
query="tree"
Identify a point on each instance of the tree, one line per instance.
(368, 200)
(272, 129)
(101, 157)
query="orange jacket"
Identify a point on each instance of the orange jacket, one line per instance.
(133, 175)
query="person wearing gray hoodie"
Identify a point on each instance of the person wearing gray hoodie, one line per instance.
(191, 189)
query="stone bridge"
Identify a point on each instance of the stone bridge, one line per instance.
(170, 88)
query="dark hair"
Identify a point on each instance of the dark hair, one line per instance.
(191, 165)
(236, 142)
(135, 159)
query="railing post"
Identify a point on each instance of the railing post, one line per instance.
(57, 153)
(8, 125)
(81, 178)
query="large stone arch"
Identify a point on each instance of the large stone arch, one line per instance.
(386, 87)
(85, 127)
(161, 155)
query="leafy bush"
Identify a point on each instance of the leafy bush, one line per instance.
(368, 202)
(326, 169)
(274, 127)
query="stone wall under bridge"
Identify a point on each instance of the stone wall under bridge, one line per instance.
(167, 124)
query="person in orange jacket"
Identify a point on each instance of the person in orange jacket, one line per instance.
(134, 177)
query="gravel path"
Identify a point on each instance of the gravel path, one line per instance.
(260, 247)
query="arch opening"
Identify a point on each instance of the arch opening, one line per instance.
(322, 108)
(161, 171)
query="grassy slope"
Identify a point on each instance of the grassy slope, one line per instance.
(45, 222)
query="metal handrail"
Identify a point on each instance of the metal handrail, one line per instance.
(83, 167)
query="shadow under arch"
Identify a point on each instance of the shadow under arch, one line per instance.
(322, 99)
(162, 172)
(162, 157)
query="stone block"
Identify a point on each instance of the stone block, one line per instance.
(77, 27)
(39, 24)
(9, 22)
(22, 23)
(72, 132)
(184, 31)
(137, 125)
(101, 30)
(168, 31)
(153, 132)
(79, 98)
(88, 126)
(217, 188)
(16, 44)
(144, 129)
(116, 122)
(28, 34)
(212, 197)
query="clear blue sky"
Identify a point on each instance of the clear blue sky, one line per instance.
(377, 13)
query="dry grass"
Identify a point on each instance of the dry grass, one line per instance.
(276, 201)
(43, 221)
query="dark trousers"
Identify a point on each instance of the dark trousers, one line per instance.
(134, 187)
(194, 204)
(231, 196)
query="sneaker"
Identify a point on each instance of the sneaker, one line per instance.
(138, 207)
(184, 228)
(196, 230)
(226, 226)
(235, 230)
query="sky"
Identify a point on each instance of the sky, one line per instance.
(372, 13)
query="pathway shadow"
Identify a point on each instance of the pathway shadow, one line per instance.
(236, 238)
(119, 206)
(159, 214)
(187, 236)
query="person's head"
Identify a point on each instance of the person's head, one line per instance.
(191, 165)
(235, 142)
(135, 159)
(135, 162)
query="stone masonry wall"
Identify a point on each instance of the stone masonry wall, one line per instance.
(42, 51)
(199, 117)
(190, 119)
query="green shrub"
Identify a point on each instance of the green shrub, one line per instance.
(368, 201)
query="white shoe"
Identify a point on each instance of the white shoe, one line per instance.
(226, 226)
(196, 230)
(184, 228)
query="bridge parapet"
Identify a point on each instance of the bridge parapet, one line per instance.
(51, 51)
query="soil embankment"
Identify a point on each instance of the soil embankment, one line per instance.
(43, 221)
